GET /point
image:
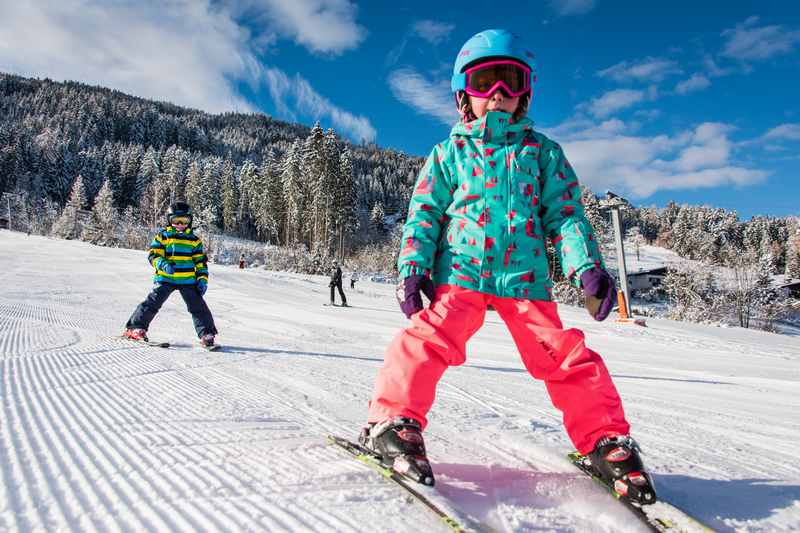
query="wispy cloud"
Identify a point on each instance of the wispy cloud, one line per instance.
(789, 132)
(650, 69)
(432, 31)
(566, 8)
(427, 97)
(750, 42)
(697, 82)
(309, 103)
(607, 156)
(613, 101)
(322, 26)
(713, 70)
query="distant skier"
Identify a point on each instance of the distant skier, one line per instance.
(336, 282)
(353, 279)
(242, 262)
(483, 207)
(177, 256)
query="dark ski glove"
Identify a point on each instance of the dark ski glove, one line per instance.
(600, 292)
(165, 266)
(409, 293)
(202, 286)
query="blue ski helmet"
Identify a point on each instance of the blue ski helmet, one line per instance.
(179, 209)
(486, 44)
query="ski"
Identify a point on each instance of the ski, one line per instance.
(148, 343)
(212, 348)
(370, 459)
(660, 516)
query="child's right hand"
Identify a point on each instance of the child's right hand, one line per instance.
(409, 293)
(165, 266)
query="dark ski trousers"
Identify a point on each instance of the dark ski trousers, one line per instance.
(146, 311)
(341, 292)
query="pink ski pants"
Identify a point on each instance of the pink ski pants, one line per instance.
(576, 377)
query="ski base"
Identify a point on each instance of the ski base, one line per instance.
(370, 459)
(660, 516)
(156, 344)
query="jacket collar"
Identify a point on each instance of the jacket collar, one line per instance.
(173, 229)
(494, 127)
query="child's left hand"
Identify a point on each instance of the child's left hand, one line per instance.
(202, 286)
(600, 291)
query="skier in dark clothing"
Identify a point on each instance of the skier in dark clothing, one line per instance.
(336, 282)
(180, 263)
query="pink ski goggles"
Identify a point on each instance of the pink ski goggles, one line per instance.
(484, 79)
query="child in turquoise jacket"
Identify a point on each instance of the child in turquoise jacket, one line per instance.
(485, 202)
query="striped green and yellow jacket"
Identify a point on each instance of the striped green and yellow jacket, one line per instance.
(184, 250)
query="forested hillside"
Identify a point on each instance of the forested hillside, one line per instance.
(247, 174)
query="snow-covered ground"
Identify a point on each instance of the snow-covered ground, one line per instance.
(97, 433)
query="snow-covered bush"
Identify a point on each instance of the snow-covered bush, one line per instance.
(693, 295)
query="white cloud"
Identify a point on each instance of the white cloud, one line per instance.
(714, 70)
(151, 50)
(750, 42)
(709, 147)
(614, 101)
(609, 157)
(650, 69)
(322, 26)
(790, 132)
(697, 82)
(432, 31)
(425, 96)
(307, 102)
(566, 8)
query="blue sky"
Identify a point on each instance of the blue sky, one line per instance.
(657, 101)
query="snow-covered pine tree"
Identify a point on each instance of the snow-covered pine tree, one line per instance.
(129, 162)
(292, 193)
(666, 222)
(173, 172)
(230, 197)
(345, 203)
(684, 233)
(68, 225)
(103, 222)
(793, 251)
(249, 183)
(210, 207)
(268, 202)
(326, 187)
(377, 218)
(148, 173)
(194, 184)
(313, 171)
(770, 303)
(154, 202)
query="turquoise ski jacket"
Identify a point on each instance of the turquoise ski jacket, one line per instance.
(484, 203)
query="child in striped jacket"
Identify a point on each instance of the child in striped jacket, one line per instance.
(180, 263)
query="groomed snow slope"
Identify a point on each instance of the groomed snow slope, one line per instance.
(97, 433)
